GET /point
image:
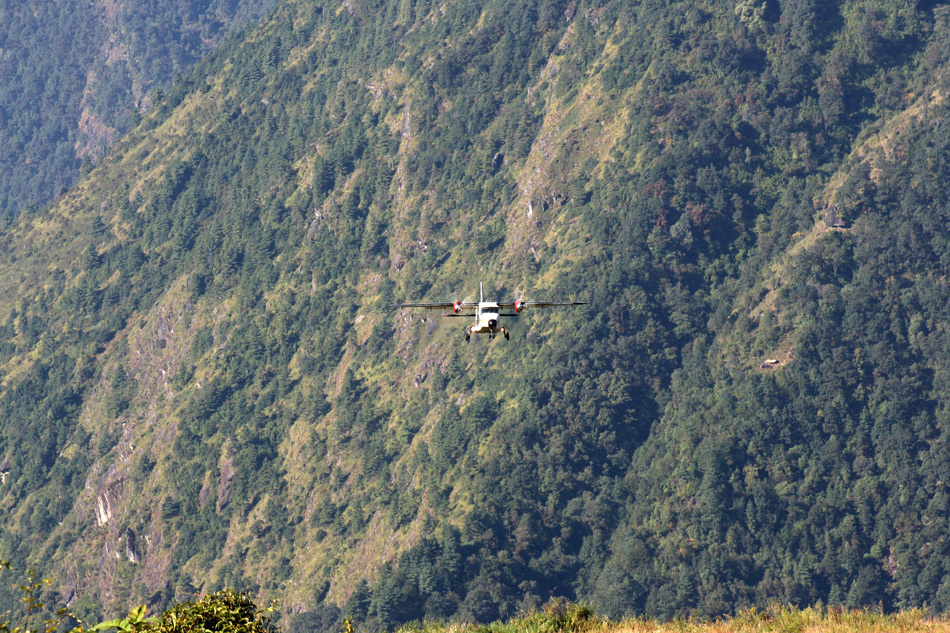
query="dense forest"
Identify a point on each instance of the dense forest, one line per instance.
(75, 76)
(202, 384)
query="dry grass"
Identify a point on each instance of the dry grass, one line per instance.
(573, 619)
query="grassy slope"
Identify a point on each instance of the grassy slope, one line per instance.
(777, 619)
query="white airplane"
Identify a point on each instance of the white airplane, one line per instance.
(487, 313)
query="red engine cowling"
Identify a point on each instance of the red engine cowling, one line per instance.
(457, 307)
(519, 306)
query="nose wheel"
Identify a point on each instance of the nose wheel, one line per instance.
(491, 335)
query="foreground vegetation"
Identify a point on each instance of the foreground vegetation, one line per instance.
(573, 619)
(232, 612)
(790, 620)
(226, 611)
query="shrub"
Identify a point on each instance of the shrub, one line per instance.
(226, 611)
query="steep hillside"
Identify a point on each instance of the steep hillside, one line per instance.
(76, 75)
(202, 385)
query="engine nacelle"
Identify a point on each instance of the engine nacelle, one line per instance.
(519, 306)
(457, 307)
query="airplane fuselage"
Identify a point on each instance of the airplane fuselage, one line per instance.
(486, 319)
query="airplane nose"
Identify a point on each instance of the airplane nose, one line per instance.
(492, 322)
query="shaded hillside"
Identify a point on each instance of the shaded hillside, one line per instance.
(74, 76)
(202, 385)
(823, 477)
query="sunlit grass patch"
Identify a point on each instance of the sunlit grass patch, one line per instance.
(560, 617)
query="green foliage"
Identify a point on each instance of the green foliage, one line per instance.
(225, 610)
(37, 616)
(134, 621)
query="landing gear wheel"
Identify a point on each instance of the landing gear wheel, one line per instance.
(506, 334)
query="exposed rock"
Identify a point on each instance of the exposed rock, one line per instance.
(70, 589)
(103, 509)
(570, 11)
(224, 486)
(407, 122)
(107, 495)
(497, 161)
(833, 217)
(205, 493)
(157, 558)
(130, 551)
(94, 137)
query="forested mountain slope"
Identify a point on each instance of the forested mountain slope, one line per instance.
(75, 75)
(202, 385)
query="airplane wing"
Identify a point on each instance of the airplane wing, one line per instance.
(427, 306)
(518, 306)
(553, 304)
(456, 306)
